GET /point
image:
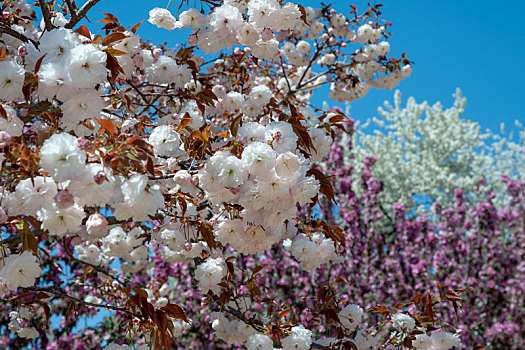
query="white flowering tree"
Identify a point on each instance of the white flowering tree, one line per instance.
(426, 152)
(122, 159)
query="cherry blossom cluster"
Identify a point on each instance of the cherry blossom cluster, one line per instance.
(120, 156)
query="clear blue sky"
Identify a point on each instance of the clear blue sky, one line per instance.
(477, 45)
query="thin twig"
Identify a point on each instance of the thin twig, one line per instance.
(81, 13)
(95, 267)
(144, 98)
(285, 76)
(51, 289)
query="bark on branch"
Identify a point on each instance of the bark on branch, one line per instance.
(46, 15)
(76, 17)
(5, 29)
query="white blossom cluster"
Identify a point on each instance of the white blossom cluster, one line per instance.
(423, 159)
(225, 26)
(418, 156)
(18, 323)
(267, 181)
(313, 250)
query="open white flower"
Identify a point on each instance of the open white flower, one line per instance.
(163, 18)
(61, 157)
(20, 270)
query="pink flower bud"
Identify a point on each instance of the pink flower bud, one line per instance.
(135, 80)
(4, 139)
(64, 199)
(24, 111)
(82, 142)
(99, 178)
(266, 34)
(96, 225)
(194, 180)
(138, 60)
(187, 246)
(76, 240)
(193, 39)
(156, 53)
(22, 51)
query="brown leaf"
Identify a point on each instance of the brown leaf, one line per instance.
(326, 186)
(107, 125)
(303, 13)
(113, 66)
(84, 31)
(136, 27)
(257, 269)
(206, 232)
(39, 63)
(226, 134)
(3, 113)
(111, 38)
(175, 311)
(234, 126)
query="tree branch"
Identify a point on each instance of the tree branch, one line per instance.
(51, 289)
(81, 14)
(46, 15)
(95, 267)
(72, 10)
(4, 28)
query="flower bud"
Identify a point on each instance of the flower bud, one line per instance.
(4, 139)
(97, 225)
(22, 51)
(156, 53)
(99, 178)
(193, 39)
(266, 34)
(64, 199)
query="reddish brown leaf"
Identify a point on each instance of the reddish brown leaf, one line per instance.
(206, 232)
(326, 186)
(226, 134)
(107, 125)
(234, 127)
(175, 311)
(84, 31)
(39, 63)
(136, 27)
(111, 38)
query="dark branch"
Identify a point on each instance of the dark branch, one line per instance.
(72, 10)
(81, 13)
(46, 15)
(51, 289)
(4, 28)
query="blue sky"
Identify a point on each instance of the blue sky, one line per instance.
(478, 46)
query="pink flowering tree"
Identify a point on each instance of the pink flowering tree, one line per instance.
(153, 183)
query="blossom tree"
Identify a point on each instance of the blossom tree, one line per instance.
(134, 174)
